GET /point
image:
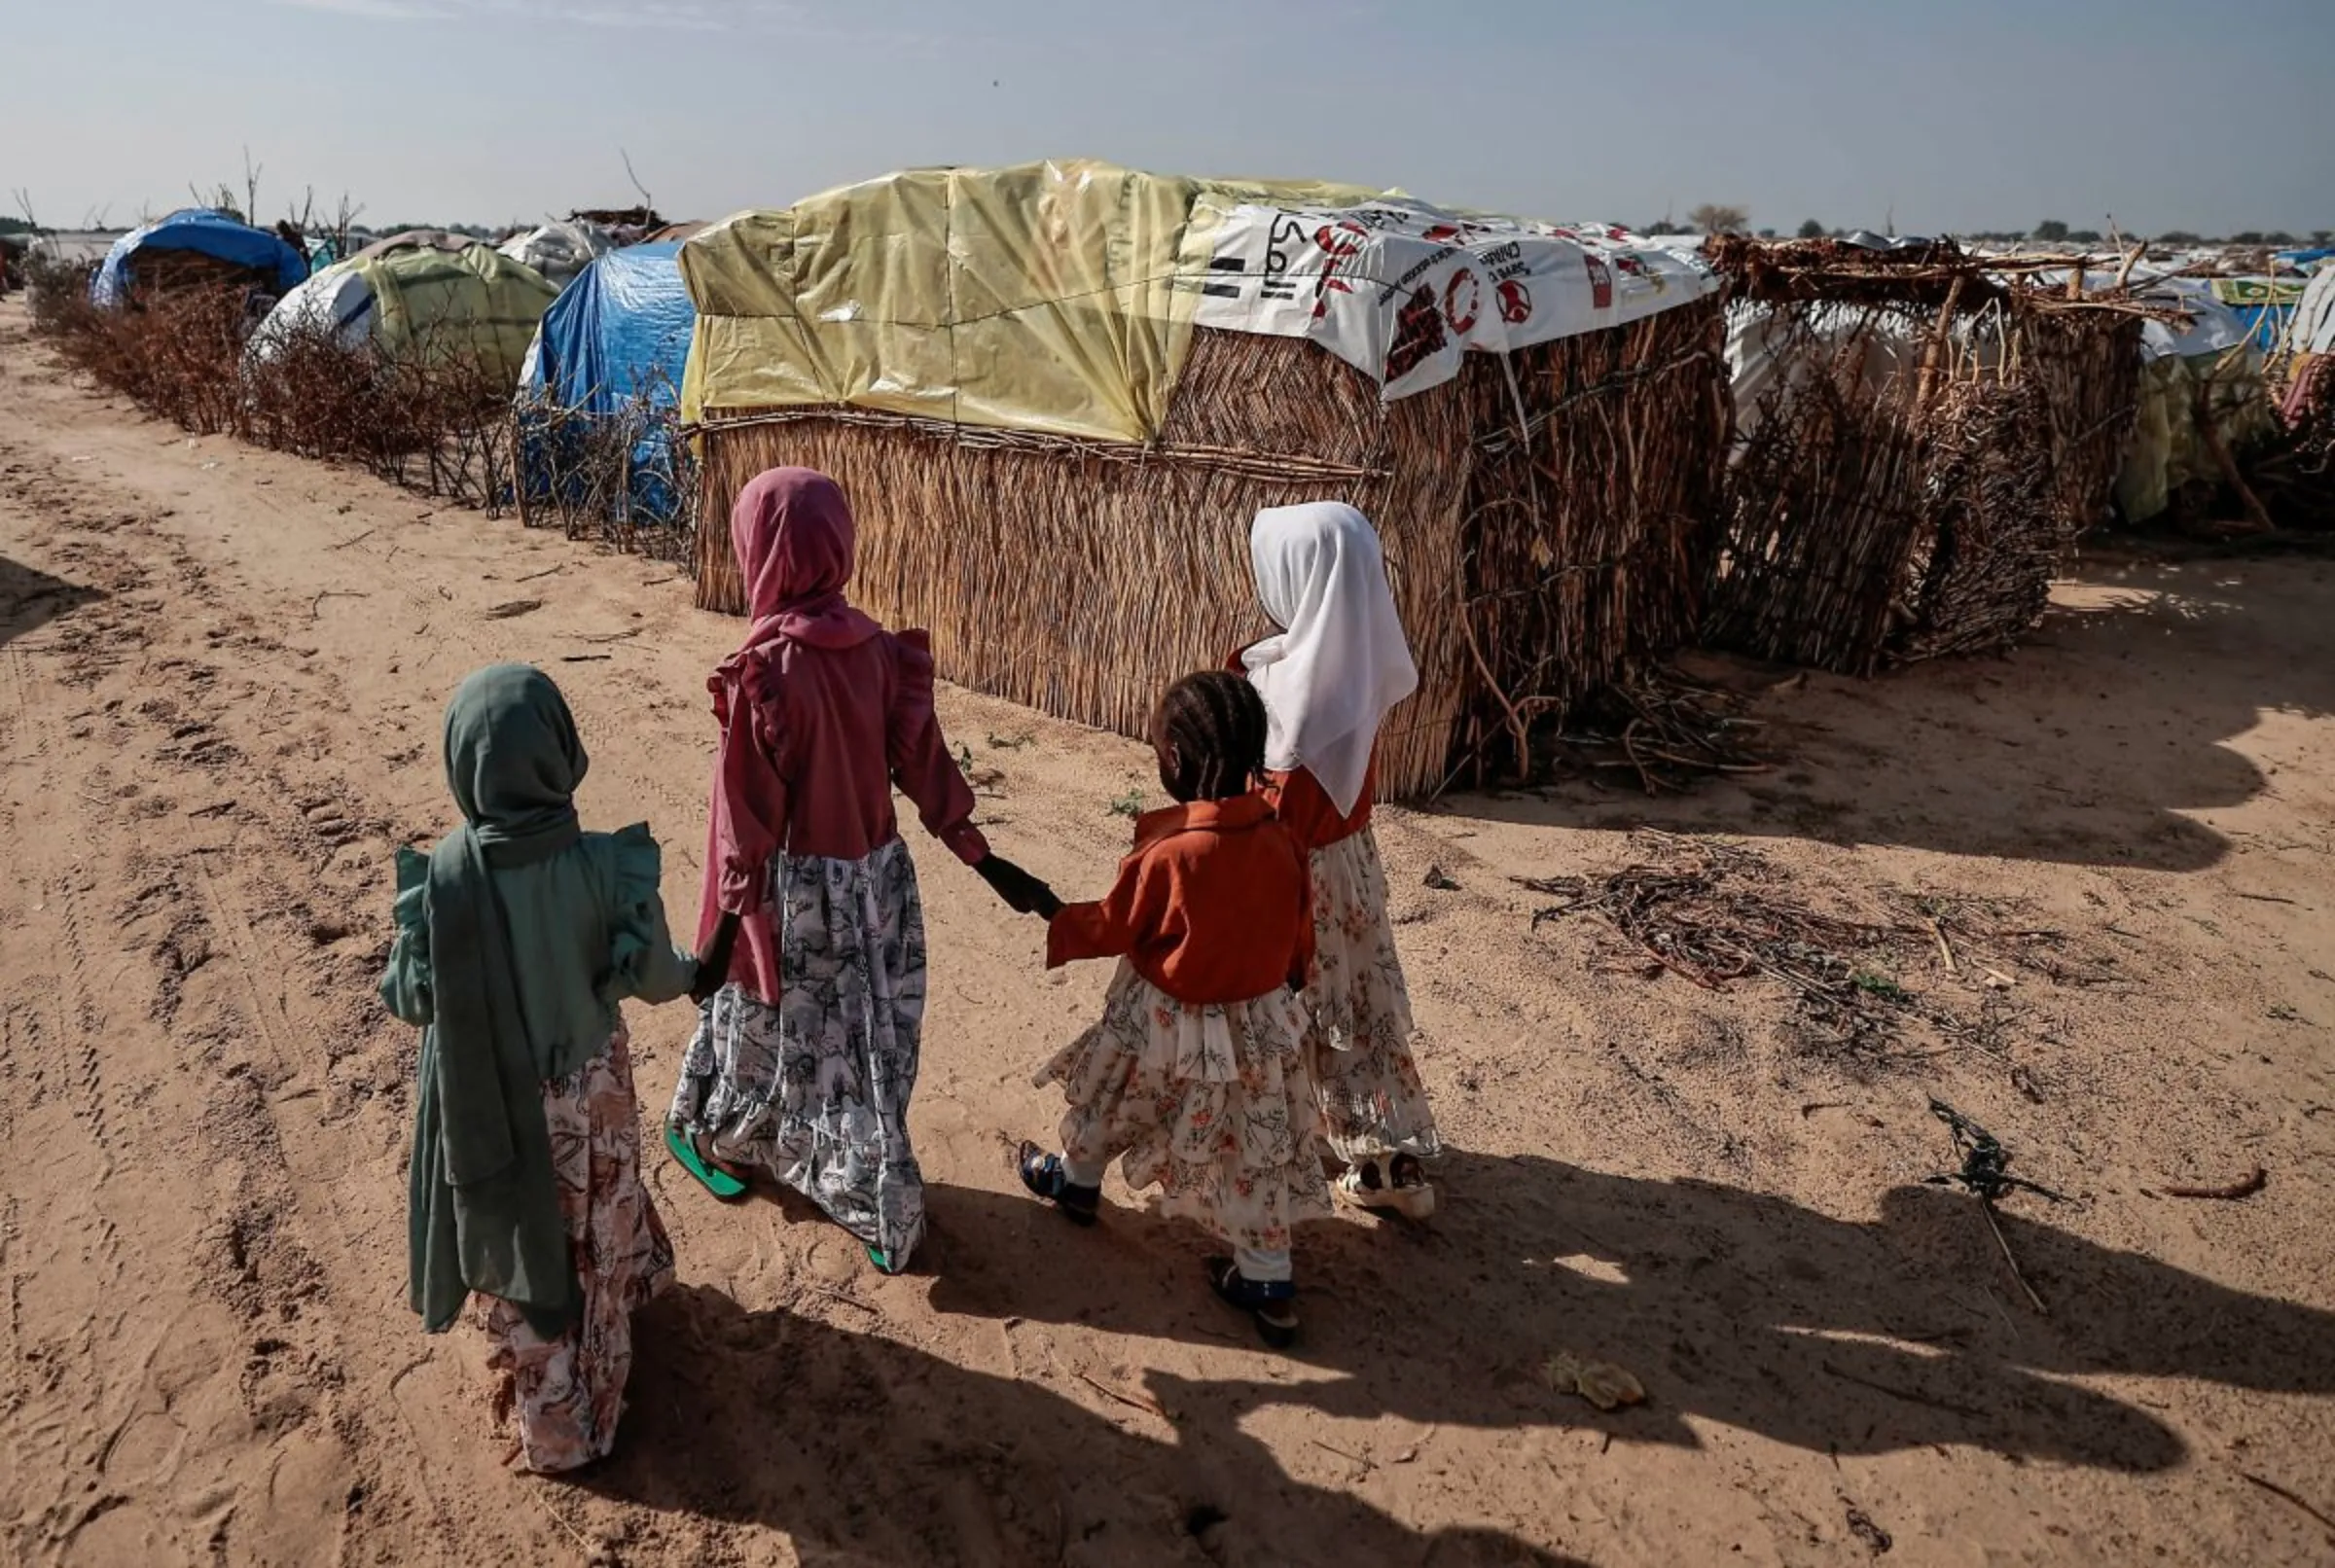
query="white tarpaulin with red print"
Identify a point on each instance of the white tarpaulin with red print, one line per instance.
(1401, 289)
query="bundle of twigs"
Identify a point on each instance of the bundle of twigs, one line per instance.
(1987, 578)
(1662, 730)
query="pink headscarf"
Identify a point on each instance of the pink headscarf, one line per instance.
(794, 536)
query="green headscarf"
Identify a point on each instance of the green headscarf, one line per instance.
(485, 1197)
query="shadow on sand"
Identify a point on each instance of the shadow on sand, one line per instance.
(30, 599)
(2089, 745)
(1739, 1307)
(866, 1450)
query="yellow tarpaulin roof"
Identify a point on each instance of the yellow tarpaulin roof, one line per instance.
(1037, 297)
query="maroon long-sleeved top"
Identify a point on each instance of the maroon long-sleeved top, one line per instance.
(813, 741)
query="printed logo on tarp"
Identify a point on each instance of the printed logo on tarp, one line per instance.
(1340, 244)
(1399, 290)
(1418, 336)
(1601, 279)
(1462, 302)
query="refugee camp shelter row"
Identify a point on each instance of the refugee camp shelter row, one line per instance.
(1058, 394)
(192, 248)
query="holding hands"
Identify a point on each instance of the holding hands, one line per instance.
(1023, 893)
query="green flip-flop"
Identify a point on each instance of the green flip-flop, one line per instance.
(720, 1183)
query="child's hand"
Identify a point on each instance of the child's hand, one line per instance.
(1023, 893)
(713, 960)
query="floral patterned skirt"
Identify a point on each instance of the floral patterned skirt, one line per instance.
(1209, 1103)
(567, 1393)
(813, 1085)
(1358, 1037)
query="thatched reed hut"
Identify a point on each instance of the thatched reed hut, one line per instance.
(1921, 437)
(1056, 395)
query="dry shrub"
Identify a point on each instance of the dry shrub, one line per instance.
(175, 357)
(430, 418)
(627, 477)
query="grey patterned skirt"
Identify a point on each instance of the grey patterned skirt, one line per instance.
(813, 1086)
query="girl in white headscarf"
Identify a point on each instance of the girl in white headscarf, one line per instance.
(1329, 675)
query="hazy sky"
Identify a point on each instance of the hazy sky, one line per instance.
(1955, 114)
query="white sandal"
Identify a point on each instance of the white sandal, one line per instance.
(1369, 1185)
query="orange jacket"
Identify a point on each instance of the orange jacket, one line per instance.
(1214, 905)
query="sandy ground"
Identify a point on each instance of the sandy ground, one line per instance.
(221, 672)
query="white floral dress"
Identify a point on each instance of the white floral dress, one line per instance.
(1358, 1034)
(1210, 1104)
(814, 1087)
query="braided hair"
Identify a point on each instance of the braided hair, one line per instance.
(1209, 732)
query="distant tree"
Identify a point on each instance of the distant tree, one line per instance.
(1767, 234)
(2050, 230)
(2180, 236)
(2083, 236)
(1713, 219)
(2278, 236)
(2248, 236)
(2321, 236)
(1811, 230)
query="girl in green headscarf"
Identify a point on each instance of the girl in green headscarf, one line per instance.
(517, 938)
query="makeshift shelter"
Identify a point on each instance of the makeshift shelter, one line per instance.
(624, 226)
(2310, 329)
(1919, 439)
(560, 251)
(598, 400)
(2263, 303)
(407, 295)
(1058, 394)
(195, 248)
(2202, 397)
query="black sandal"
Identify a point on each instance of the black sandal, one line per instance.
(1043, 1174)
(1270, 1303)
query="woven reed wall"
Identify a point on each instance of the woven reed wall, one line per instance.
(1081, 578)
(1925, 514)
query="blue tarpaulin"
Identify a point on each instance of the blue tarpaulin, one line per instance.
(210, 234)
(612, 348)
(622, 328)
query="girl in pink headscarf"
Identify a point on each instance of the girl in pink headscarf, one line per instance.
(811, 931)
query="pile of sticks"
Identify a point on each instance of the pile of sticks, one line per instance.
(1714, 912)
(1660, 729)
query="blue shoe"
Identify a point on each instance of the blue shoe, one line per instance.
(1043, 1174)
(1272, 1303)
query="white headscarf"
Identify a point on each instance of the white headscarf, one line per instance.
(1341, 662)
